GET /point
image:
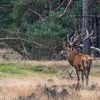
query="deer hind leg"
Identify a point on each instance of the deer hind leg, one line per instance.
(82, 76)
(86, 75)
(88, 69)
(85, 71)
(78, 79)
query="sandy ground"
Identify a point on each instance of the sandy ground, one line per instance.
(20, 88)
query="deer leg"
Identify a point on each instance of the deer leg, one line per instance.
(88, 72)
(86, 75)
(82, 75)
(78, 78)
(85, 72)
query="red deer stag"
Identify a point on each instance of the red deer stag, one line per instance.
(81, 61)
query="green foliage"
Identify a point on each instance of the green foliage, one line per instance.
(16, 14)
(21, 12)
(10, 69)
(7, 70)
(54, 27)
(19, 15)
(50, 28)
(5, 10)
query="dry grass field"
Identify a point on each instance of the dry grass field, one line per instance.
(45, 80)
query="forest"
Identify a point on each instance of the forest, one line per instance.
(35, 27)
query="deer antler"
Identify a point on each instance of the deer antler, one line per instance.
(74, 40)
(87, 35)
(73, 37)
(68, 38)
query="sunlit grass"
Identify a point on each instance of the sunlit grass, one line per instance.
(9, 69)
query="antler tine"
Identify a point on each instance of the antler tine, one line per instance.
(91, 33)
(87, 35)
(76, 38)
(86, 32)
(68, 38)
(72, 37)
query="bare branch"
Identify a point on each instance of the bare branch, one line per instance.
(7, 38)
(70, 74)
(65, 8)
(60, 5)
(13, 38)
(41, 18)
(24, 48)
(1, 7)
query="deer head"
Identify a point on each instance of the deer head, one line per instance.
(75, 40)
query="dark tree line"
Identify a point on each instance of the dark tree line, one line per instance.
(40, 23)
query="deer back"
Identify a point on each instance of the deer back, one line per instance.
(81, 58)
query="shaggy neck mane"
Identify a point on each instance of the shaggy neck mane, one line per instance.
(72, 55)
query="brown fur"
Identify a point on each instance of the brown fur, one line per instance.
(82, 62)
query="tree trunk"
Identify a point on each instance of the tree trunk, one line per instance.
(48, 6)
(96, 26)
(85, 25)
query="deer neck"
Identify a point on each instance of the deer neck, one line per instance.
(71, 56)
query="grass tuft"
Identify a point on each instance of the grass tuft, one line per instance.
(10, 69)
